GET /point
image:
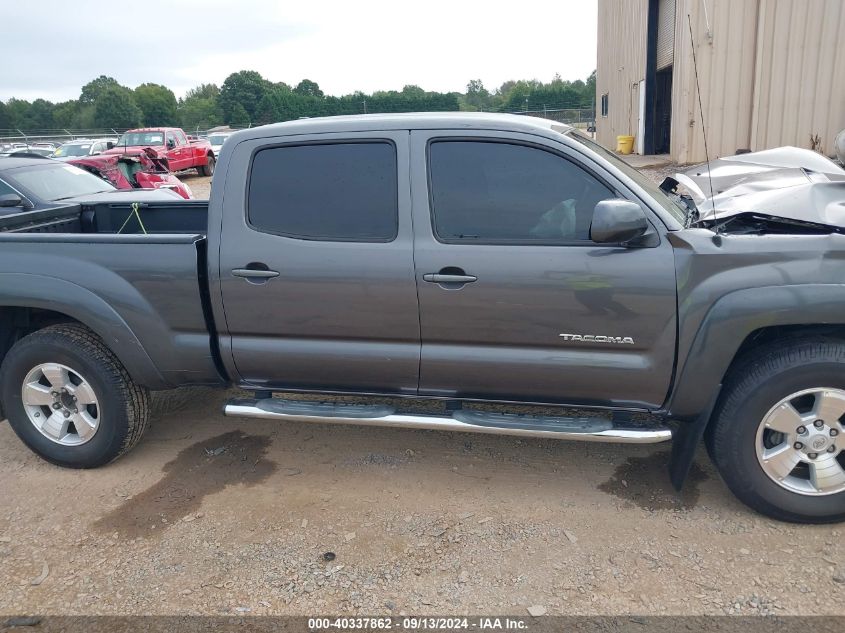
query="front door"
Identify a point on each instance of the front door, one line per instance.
(516, 302)
(316, 264)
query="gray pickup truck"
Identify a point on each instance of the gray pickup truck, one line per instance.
(456, 260)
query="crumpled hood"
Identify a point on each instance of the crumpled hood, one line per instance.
(786, 182)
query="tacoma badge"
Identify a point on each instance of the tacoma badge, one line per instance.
(592, 338)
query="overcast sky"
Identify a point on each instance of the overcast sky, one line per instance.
(50, 48)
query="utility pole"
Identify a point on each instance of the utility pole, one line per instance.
(365, 106)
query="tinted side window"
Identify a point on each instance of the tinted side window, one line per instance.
(501, 192)
(339, 191)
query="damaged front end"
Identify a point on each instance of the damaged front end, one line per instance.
(785, 190)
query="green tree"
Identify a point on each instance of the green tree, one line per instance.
(65, 113)
(309, 88)
(477, 96)
(157, 104)
(115, 108)
(40, 115)
(203, 91)
(244, 88)
(590, 88)
(18, 110)
(239, 116)
(199, 110)
(95, 88)
(5, 117)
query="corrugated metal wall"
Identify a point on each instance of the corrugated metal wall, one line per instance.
(726, 62)
(620, 66)
(800, 87)
(772, 72)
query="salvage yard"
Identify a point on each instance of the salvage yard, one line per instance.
(213, 515)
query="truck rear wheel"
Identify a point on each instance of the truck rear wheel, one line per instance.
(208, 168)
(69, 399)
(778, 435)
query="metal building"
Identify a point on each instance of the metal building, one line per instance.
(771, 73)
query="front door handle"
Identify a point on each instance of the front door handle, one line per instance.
(439, 278)
(255, 272)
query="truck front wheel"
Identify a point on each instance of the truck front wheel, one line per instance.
(778, 435)
(69, 398)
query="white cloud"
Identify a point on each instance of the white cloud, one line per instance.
(343, 46)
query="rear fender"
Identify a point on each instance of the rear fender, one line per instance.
(32, 291)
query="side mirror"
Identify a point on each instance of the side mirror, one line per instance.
(10, 200)
(617, 222)
(171, 143)
(109, 145)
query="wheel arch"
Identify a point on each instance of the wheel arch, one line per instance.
(744, 320)
(25, 308)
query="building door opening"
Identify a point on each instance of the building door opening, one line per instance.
(663, 110)
(660, 58)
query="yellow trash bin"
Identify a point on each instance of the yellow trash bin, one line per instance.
(624, 144)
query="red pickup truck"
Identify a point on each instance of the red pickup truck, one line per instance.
(171, 145)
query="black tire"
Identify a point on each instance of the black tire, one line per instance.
(753, 386)
(123, 406)
(208, 168)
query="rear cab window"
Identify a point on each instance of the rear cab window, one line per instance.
(343, 191)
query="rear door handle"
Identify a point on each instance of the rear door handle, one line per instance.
(254, 273)
(439, 278)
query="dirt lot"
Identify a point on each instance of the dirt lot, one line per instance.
(212, 515)
(200, 185)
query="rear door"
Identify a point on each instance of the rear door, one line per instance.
(316, 263)
(516, 302)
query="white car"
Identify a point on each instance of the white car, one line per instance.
(82, 147)
(216, 141)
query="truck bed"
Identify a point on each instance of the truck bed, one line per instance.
(177, 217)
(156, 282)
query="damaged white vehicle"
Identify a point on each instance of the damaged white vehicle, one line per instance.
(786, 189)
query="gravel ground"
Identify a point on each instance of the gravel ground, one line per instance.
(212, 515)
(200, 185)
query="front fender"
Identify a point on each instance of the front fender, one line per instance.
(24, 290)
(731, 319)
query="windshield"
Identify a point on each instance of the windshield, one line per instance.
(57, 181)
(73, 149)
(141, 139)
(217, 139)
(654, 191)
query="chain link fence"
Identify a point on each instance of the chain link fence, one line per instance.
(29, 137)
(576, 117)
(581, 118)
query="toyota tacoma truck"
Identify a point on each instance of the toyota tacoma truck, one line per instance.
(171, 146)
(454, 260)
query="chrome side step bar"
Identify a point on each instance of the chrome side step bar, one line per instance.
(473, 421)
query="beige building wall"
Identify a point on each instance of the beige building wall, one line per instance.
(800, 87)
(620, 66)
(771, 72)
(726, 61)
